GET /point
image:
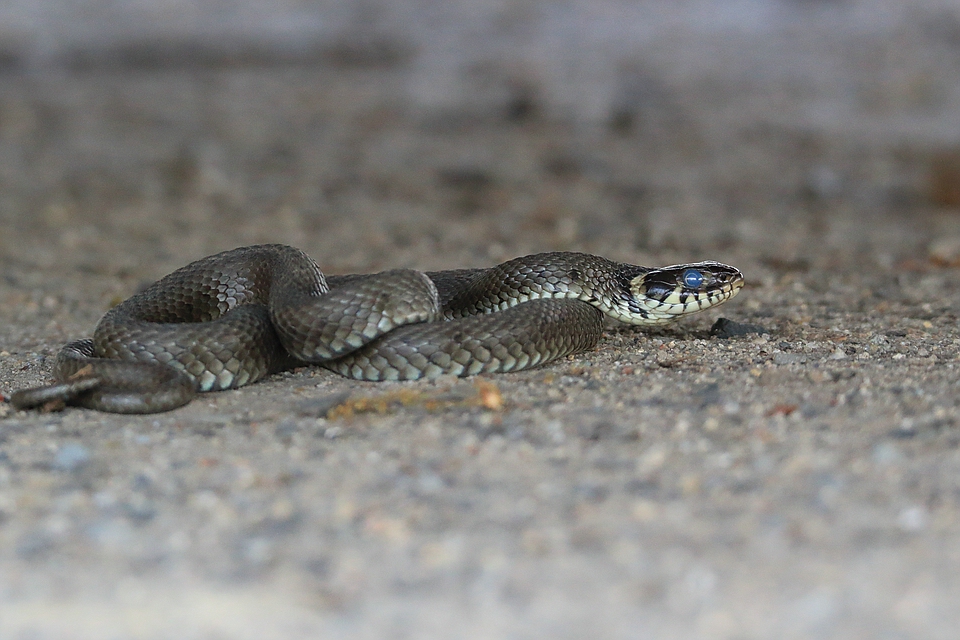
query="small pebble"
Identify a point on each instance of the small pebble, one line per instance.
(726, 328)
(789, 358)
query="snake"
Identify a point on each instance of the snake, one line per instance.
(233, 318)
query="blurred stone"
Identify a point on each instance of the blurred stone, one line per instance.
(945, 251)
(945, 179)
(71, 457)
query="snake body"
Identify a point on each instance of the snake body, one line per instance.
(232, 318)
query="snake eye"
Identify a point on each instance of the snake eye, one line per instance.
(692, 279)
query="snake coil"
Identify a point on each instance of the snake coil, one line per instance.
(232, 318)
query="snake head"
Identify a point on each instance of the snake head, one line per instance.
(666, 294)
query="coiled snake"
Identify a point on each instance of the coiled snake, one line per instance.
(232, 318)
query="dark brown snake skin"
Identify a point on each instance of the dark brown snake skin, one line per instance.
(230, 319)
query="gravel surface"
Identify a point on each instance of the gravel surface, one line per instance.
(798, 479)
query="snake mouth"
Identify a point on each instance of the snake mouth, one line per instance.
(664, 295)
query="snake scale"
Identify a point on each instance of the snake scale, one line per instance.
(232, 318)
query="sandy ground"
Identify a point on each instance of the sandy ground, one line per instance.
(799, 482)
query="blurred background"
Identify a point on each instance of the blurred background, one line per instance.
(428, 133)
(815, 144)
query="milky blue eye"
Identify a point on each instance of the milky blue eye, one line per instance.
(692, 278)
